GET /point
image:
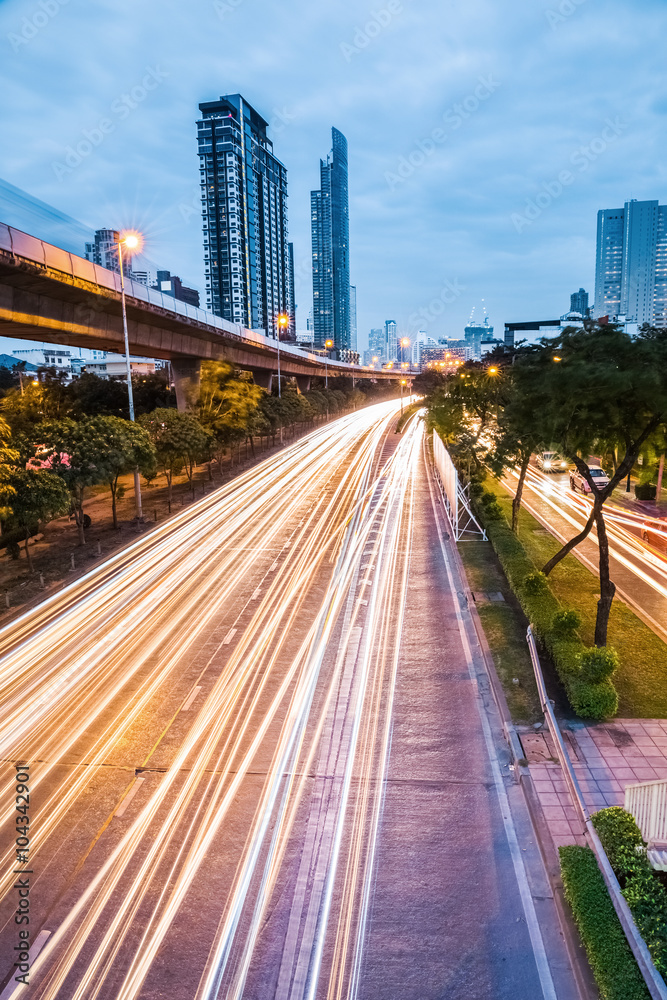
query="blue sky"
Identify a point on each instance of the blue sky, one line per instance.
(483, 135)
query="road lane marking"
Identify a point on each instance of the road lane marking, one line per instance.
(256, 594)
(230, 635)
(12, 986)
(191, 697)
(130, 795)
(534, 931)
(274, 567)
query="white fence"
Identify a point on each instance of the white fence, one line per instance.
(456, 498)
(647, 801)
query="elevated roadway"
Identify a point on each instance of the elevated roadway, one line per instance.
(48, 294)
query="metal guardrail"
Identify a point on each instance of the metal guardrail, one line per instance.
(653, 979)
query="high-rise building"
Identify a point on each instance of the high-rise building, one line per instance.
(475, 335)
(353, 317)
(579, 303)
(104, 249)
(631, 263)
(330, 232)
(376, 343)
(291, 308)
(244, 195)
(390, 338)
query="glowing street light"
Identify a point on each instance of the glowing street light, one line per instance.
(556, 358)
(403, 382)
(132, 242)
(328, 344)
(282, 323)
(492, 370)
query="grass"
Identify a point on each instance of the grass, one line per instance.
(641, 681)
(505, 630)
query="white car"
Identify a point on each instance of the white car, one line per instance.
(551, 461)
(598, 475)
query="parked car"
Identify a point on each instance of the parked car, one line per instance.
(598, 475)
(551, 461)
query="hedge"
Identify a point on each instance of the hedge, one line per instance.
(613, 964)
(585, 673)
(644, 892)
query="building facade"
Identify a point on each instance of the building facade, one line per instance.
(579, 303)
(376, 343)
(330, 235)
(353, 317)
(390, 340)
(475, 335)
(172, 285)
(244, 216)
(631, 263)
(104, 249)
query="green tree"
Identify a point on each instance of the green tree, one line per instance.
(590, 387)
(228, 407)
(39, 495)
(128, 447)
(9, 456)
(179, 441)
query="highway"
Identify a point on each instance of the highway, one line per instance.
(263, 758)
(638, 569)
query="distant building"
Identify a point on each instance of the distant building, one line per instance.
(330, 236)
(579, 303)
(114, 365)
(291, 304)
(475, 333)
(244, 196)
(104, 249)
(9, 361)
(148, 278)
(390, 340)
(171, 285)
(441, 357)
(631, 263)
(59, 358)
(376, 343)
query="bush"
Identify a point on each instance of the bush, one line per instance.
(613, 964)
(598, 664)
(565, 624)
(645, 491)
(645, 894)
(535, 583)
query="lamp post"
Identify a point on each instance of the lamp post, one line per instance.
(132, 243)
(282, 322)
(405, 343)
(403, 382)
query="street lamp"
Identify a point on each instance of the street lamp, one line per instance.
(328, 344)
(132, 242)
(405, 343)
(282, 323)
(403, 382)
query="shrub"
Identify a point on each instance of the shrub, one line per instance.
(564, 624)
(492, 509)
(535, 583)
(645, 491)
(598, 664)
(644, 893)
(613, 964)
(593, 701)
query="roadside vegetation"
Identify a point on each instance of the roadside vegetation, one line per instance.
(589, 391)
(62, 443)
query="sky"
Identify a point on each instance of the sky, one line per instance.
(483, 136)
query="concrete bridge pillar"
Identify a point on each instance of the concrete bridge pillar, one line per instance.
(262, 378)
(187, 376)
(303, 383)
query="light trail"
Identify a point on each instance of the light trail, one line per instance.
(319, 520)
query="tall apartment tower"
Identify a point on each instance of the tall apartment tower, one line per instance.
(579, 302)
(330, 231)
(631, 263)
(376, 343)
(104, 250)
(244, 209)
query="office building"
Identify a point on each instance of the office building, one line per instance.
(475, 334)
(353, 317)
(330, 233)
(579, 303)
(631, 263)
(291, 304)
(244, 195)
(390, 340)
(376, 343)
(170, 284)
(104, 250)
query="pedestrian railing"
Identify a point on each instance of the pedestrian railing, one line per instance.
(654, 981)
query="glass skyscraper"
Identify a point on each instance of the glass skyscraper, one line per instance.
(244, 196)
(631, 263)
(330, 230)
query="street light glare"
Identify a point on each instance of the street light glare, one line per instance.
(283, 319)
(132, 240)
(556, 358)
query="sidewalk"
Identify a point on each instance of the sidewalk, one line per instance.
(605, 756)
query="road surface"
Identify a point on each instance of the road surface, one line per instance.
(262, 757)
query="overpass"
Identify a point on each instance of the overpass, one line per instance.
(49, 294)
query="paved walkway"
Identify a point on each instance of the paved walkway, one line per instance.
(605, 757)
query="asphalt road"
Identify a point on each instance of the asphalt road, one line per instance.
(638, 569)
(262, 756)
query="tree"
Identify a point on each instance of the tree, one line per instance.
(228, 407)
(39, 495)
(178, 439)
(591, 387)
(9, 456)
(464, 409)
(128, 448)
